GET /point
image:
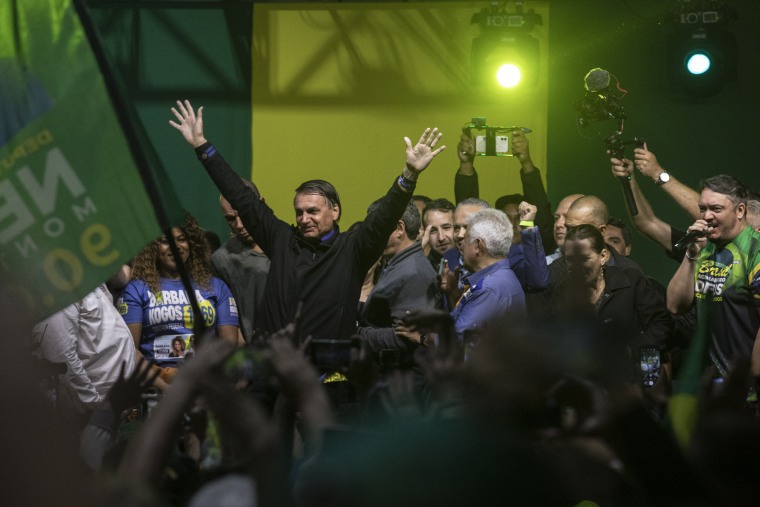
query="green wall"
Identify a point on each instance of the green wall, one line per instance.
(692, 138)
(164, 54)
(335, 101)
(205, 54)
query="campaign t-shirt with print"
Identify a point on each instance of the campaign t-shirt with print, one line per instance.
(727, 281)
(167, 317)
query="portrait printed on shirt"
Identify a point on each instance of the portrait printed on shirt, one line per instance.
(171, 347)
(167, 316)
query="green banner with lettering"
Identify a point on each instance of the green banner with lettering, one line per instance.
(73, 207)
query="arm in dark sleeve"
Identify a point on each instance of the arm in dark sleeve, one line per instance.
(372, 235)
(258, 218)
(381, 338)
(650, 309)
(535, 193)
(536, 270)
(466, 187)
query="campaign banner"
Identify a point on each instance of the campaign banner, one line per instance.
(73, 206)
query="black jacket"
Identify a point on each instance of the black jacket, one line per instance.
(630, 314)
(327, 277)
(632, 309)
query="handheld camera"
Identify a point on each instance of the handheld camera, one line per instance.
(491, 141)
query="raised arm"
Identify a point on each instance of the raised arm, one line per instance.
(687, 198)
(373, 233)
(533, 189)
(466, 155)
(466, 179)
(521, 150)
(536, 270)
(680, 293)
(190, 125)
(148, 451)
(257, 217)
(298, 380)
(645, 221)
(419, 156)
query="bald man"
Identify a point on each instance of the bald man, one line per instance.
(242, 265)
(588, 209)
(559, 225)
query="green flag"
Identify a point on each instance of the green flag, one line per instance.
(73, 206)
(683, 405)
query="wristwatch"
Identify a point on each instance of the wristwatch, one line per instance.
(663, 178)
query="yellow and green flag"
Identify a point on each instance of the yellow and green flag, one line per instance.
(683, 405)
(73, 205)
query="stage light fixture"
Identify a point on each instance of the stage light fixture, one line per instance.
(698, 62)
(504, 60)
(505, 55)
(508, 75)
(701, 48)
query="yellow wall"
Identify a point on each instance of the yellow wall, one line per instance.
(336, 87)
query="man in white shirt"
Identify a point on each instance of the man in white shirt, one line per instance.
(91, 338)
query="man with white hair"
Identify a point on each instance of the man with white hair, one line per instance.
(753, 214)
(526, 259)
(492, 288)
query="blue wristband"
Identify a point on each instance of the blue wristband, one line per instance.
(405, 183)
(210, 150)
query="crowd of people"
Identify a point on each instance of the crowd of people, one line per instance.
(435, 353)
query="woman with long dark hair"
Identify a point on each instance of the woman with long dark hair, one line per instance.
(157, 308)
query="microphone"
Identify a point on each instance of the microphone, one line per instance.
(688, 239)
(597, 80)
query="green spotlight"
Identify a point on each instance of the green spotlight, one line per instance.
(698, 63)
(508, 75)
(701, 59)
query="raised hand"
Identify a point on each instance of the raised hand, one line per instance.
(419, 156)
(520, 146)
(700, 226)
(466, 148)
(647, 163)
(621, 168)
(527, 211)
(190, 125)
(425, 241)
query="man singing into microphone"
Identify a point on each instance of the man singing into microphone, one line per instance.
(722, 269)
